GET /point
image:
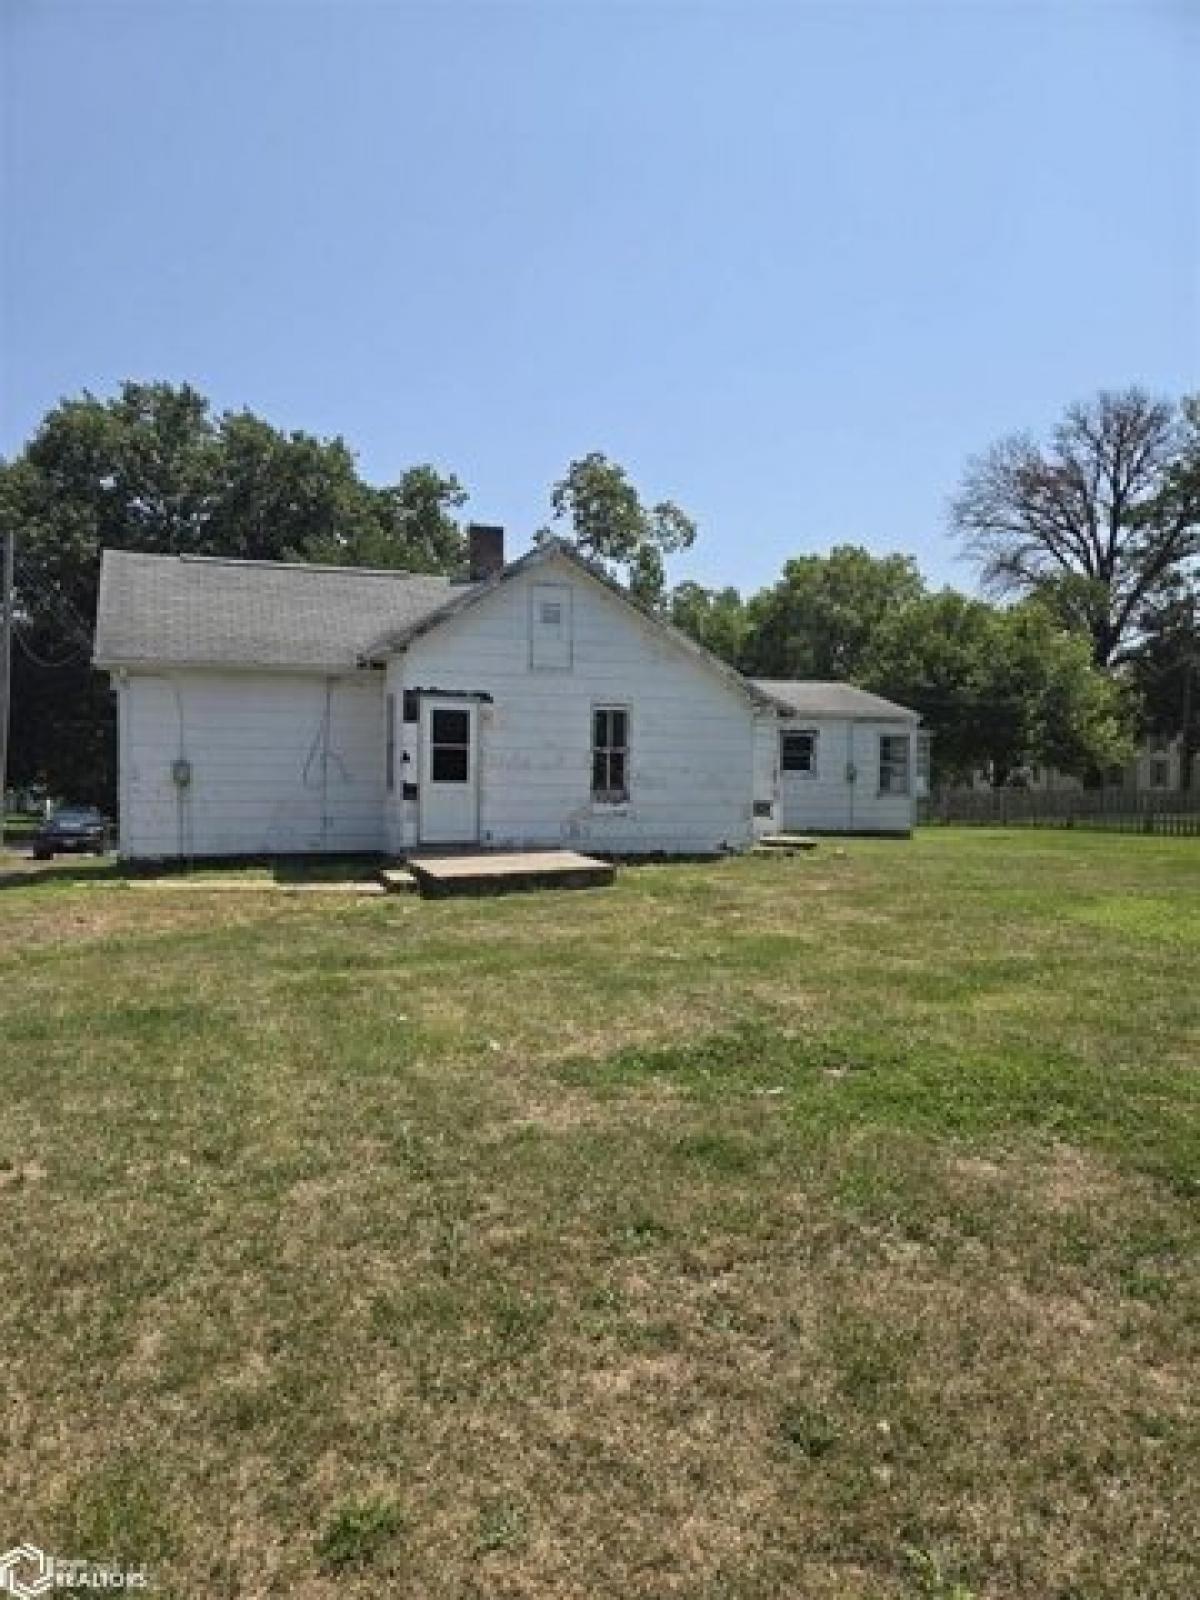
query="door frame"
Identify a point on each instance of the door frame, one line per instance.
(430, 703)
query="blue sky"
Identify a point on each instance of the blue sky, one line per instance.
(791, 264)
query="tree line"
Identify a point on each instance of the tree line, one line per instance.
(1088, 547)
(1092, 542)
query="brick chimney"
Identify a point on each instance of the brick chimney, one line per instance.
(486, 546)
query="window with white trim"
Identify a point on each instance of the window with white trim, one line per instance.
(1160, 772)
(610, 755)
(798, 752)
(893, 763)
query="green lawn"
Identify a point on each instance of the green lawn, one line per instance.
(799, 1228)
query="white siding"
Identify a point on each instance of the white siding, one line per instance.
(280, 763)
(691, 731)
(766, 774)
(829, 801)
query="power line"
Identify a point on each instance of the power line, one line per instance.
(68, 617)
(40, 661)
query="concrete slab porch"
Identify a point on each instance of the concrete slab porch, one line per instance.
(492, 872)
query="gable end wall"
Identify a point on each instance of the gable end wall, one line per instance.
(691, 731)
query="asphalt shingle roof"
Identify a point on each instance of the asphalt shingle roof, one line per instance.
(184, 610)
(812, 698)
(206, 611)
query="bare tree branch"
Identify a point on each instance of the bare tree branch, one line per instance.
(1097, 515)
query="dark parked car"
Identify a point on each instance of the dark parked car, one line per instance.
(73, 830)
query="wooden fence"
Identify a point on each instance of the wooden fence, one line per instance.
(1168, 812)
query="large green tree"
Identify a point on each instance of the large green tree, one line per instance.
(155, 468)
(819, 619)
(716, 618)
(1166, 667)
(413, 526)
(999, 688)
(599, 509)
(1166, 671)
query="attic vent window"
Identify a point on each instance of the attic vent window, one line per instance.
(550, 646)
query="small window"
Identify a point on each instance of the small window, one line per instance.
(798, 753)
(1160, 772)
(412, 706)
(893, 763)
(451, 727)
(450, 764)
(550, 627)
(391, 742)
(610, 755)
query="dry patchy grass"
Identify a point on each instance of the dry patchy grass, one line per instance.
(808, 1227)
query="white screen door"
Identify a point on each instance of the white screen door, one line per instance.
(449, 772)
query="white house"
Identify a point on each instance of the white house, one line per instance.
(267, 708)
(1157, 766)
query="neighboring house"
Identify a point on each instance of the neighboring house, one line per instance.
(267, 708)
(1156, 767)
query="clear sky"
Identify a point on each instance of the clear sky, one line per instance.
(791, 263)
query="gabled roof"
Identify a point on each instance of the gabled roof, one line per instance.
(205, 611)
(809, 697)
(398, 638)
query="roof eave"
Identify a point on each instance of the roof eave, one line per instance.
(154, 664)
(848, 716)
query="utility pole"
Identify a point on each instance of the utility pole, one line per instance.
(6, 633)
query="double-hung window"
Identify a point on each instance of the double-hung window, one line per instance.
(893, 763)
(798, 753)
(610, 755)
